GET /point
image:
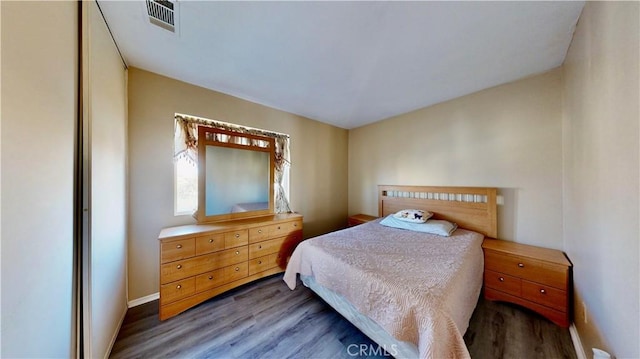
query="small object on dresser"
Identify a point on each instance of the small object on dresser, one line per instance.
(357, 219)
(533, 277)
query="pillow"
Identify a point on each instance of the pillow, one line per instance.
(413, 215)
(433, 226)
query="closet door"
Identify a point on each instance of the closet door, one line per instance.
(104, 150)
(39, 115)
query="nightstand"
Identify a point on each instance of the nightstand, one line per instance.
(533, 277)
(357, 219)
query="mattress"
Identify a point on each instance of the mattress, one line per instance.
(419, 288)
(394, 347)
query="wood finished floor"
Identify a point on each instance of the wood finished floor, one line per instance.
(265, 319)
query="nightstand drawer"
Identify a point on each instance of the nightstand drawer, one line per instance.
(551, 274)
(502, 282)
(545, 295)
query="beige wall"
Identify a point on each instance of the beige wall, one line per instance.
(38, 115)
(507, 137)
(601, 172)
(318, 156)
(106, 113)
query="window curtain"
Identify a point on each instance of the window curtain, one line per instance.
(186, 146)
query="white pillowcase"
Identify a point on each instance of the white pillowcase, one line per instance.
(413, 215)
(433, 226)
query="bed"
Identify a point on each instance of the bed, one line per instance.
(412, 293)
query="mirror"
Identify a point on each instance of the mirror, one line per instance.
(244, 171)
(235, 175)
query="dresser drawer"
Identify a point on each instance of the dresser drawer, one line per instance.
(527, 268)
(177, 290)
(258, 234)
(502, 282)
(233, 256)
(545, 295)
(189, 267)
(174, 271)
(263, 263)
(209, 280)
(284, 229)
(264, 248)
(235, 272)
(209, 244)
(236, 238)
(176, 250)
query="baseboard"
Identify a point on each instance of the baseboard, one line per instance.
(577, 344)
(115, 335)
(146, 299)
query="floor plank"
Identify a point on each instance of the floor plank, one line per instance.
(265, 319)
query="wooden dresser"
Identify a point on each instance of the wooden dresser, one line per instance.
(200, 261)
(533, 277)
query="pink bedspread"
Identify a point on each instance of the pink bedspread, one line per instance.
(420, 288)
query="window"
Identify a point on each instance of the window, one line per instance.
(186, 186)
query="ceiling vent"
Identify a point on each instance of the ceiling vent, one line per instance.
(162, 13)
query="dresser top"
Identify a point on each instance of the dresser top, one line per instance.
(191, 229)
(525, 250)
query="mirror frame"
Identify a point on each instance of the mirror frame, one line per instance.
(248, 142)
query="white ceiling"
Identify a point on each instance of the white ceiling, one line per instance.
(347, 63)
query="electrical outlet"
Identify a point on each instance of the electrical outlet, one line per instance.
(584, 312)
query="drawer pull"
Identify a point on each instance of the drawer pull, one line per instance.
(259, 262)
(178, 286)
(259, 230)
(237, 269)
(295, 224)
(211, 241)
(179, 266)
(501, 279)
(179, 246)
(521, 265)
(542, 291)
(237, 235)
(278, 227)
(237, 252)
(260, 247)
(210, 277)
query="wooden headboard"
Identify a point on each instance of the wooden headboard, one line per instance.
(471, 208)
